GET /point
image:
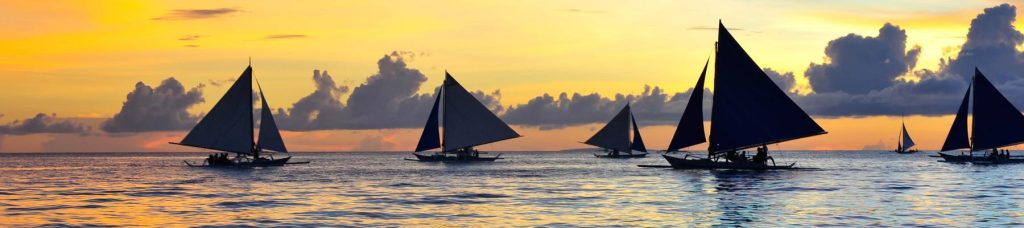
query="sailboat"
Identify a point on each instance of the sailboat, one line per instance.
(904, 143)
(464, 123)
(614, 137)
(228, 127)
(997, 123)
(748, 111)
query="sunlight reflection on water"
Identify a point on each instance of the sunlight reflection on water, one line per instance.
(527, 189)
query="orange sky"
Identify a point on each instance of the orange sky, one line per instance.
(79, 58)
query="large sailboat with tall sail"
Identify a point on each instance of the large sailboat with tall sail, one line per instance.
(614, 137)
(997, 124)
(748, 110)
(228, 127)
(904, 143)
(457, 123)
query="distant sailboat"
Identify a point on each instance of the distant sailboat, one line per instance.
(904, 143)
(614, 137)
(228, 127)
(997, 123)
(748, 111)
(463, 123)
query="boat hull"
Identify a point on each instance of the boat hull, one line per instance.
(637, 155)
(967, 158)
(246, 164)
(906, 151)
(452, 159)
(703, 163)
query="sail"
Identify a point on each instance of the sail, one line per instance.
(228, 126)
(270, 136)
(997, 123)
(466, 121)
(957, 137)
(907, 141)
(749, 109)
(638, 142)
(615, 134)
(690, 130)
(430, 139)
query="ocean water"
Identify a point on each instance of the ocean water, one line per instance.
(528, 189)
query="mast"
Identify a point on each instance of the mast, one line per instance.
(252, 136)
(444, 114)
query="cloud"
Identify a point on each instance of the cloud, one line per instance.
(387, 99)
(653, 106)
(377, 143)
(854, 83)
(858, 65)
(42, 123)
(285, 36)
(191, 45)
(190, 14)
(991, 45)
(786, 81)
(190, 37)
(156, 109)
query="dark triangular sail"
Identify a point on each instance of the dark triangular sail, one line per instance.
(270, 136)
(957, 137)
(615, 134)
(431, 139)
(997, 123)
(690, 130)
(466, 121)
(638, 142)
(906, 141)
(228, 126)
(749, 109)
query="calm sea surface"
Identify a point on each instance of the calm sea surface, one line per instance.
(527, 189)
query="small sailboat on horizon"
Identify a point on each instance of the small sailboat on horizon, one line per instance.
(997, 123)
(614, 137)
(457, 123)
(748, 111)
(904, 143)
(228, 127)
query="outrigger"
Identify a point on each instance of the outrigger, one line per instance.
(464, 122)
(228, 128)
(748, 111)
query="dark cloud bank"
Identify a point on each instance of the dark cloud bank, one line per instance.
(42, 123)
(387, 99)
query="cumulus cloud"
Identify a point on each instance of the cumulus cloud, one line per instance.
(42, 123)
(857, 64)
(653, 106)
(861, 77)
(387, 99)
(991, 45)
(156, 109)
(190, 14)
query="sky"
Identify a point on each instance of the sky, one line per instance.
(95, 76)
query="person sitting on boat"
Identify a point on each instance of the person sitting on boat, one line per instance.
(761, 156)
